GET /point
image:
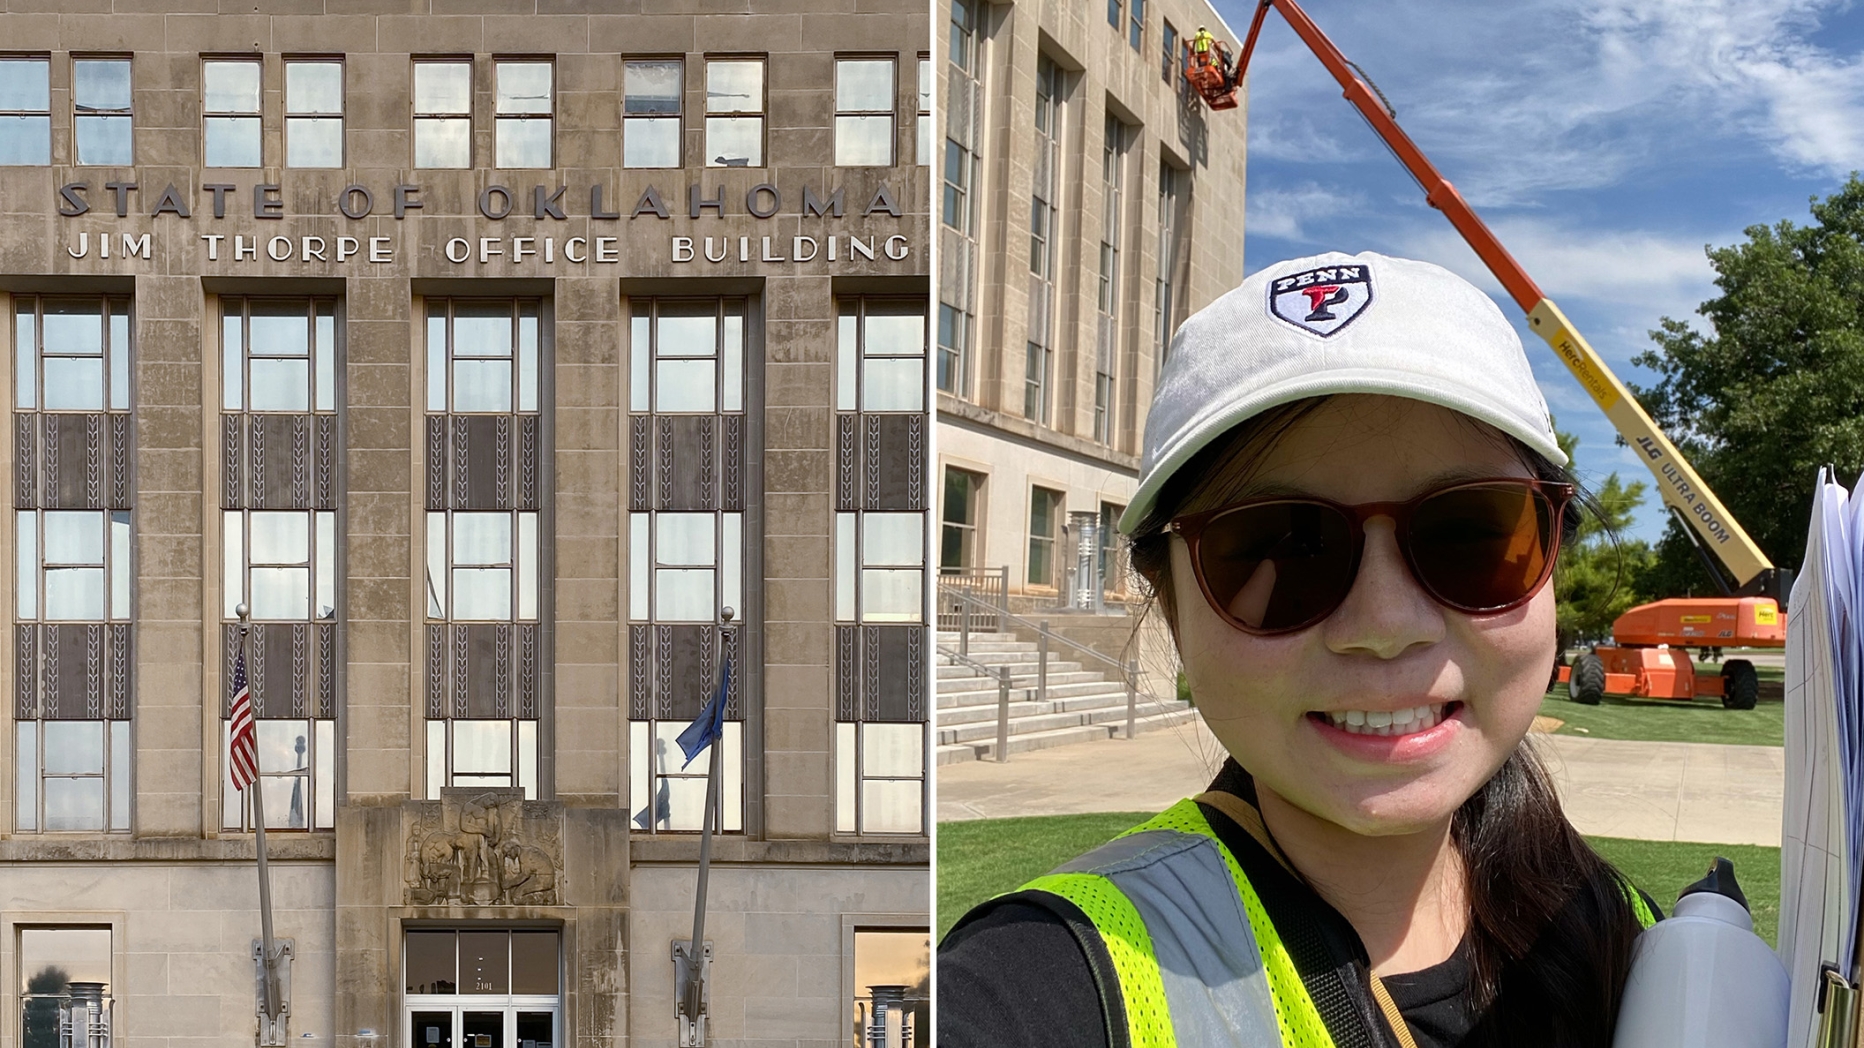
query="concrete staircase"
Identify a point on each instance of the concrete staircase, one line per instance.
(1083, 704)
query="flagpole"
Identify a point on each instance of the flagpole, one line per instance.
(695, 950)
(268, 957)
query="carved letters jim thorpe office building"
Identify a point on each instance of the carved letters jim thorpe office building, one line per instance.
(489, 354)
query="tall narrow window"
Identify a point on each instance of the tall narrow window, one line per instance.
(734, 112)
(232, 133)
(442, 113)
(1168, 58)
(864, 112)
(25, 112)
(1044, 217)
(1165, 315)
(1113, 563)
(522, 132)
(1136, 24)
(954, 343)
(1045, 515)
(102, 117)
(964, 498)
(485, 451)
(72, 498)
(278, 539)
(924, 148)
(955, 208)
(652, 98)
(1113, 13)
(1112, 213)
(686, 552)
(66, 976)
(962, 108)
(880, 575)
(313, 113)
(963, 40)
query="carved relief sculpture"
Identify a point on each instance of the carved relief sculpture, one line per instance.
(484, 848)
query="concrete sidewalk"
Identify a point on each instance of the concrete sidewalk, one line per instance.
(1658, 791)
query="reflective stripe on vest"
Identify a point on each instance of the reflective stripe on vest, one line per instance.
(1198, 960)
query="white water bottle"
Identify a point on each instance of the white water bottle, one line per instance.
(1702, 978)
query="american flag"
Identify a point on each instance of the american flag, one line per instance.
(244, 747)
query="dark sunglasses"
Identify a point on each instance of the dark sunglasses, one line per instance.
(1276, 565)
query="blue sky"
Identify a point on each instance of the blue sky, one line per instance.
(1607, 142)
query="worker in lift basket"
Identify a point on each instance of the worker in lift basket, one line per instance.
(1349, 508)
(1201, 45)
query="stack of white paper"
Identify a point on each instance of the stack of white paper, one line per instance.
(1822, 834)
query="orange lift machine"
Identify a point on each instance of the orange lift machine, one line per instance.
(1649, 656)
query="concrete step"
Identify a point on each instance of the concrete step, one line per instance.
(1061, 685)
(1019, 665)
(1092, 699)
(958, 753)
(1035, 723)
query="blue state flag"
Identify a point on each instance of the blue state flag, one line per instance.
(710, 724)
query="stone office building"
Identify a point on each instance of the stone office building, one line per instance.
(520, 368)
(1088, 204)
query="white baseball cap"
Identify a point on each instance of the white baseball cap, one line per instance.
(1337, 323)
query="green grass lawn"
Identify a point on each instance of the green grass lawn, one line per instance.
(982, 858)
(1672, 720)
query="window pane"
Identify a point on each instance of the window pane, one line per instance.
(534, 964)
(734, 87)
(687, 385)
(74, 383)
(284, 745)
(230, 87)
(326, 358)
(481, 538)
(74, 326)
(443, 143)
(523, 142)
(482, 594)
(74, 747)
(527, 359)
(892, 539)
(325, 606)
(892, 806)
(25, 83)
(847, 566)
(685, 539)
(119, 360)
(232, 141)
(442, 87)
(527, 565)
(891, 594)
(895, 334)
(863, 141)
(74, 804)
(26, 563)
(314, 142)
(684, 595)
(731, 358)
(690, 335)
(731, 561)
(481, 747)
(232, 562)
(847, 363)
(844, 778)
(281, 593)
(326, 806)
(232, 362)
(894, 750)
(105, 140)
(640, 381)
(437, 363)
(652, 88)
(482, 385)
(893, 384)
(639, 556)
(652, 142)
(285, 802)
(280, 384)
(281, 537)
(100, 83)
(313, 87)
(523, 87)
(863, 83)
(119, 564)
(482, 329)
(734, 141)
(431, 962)
(436, 566)
(74, 536)
(26, 778)
(925, 84)
(26, 356)
(119, 775)
(74, 594)
(82, 954)
(25, 141)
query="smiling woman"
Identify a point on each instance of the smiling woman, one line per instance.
(1349, 509)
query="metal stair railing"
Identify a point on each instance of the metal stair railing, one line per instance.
(1002, 673)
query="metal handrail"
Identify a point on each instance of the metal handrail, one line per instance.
(958, 657)
(1002, 674)
(1038, 628)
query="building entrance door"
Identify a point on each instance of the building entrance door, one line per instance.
(507, 1026)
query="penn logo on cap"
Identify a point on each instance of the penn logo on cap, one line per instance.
(1322, 301)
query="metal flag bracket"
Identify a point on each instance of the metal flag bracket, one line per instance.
(692, 1002)
(272, 1027)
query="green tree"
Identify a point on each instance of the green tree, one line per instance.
(1595, 577)
(1775, 389)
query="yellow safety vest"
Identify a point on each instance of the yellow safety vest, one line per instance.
(1197, 959)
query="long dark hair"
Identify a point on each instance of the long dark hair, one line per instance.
(1550, 922)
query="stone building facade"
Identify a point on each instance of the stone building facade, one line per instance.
(520, 367)
(1088, 204)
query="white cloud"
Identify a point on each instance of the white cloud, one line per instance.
(1284, 213)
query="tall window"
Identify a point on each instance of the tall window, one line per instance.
(1165, 316)
(66, 975)
(955, 208)
(734, 112)
(102, 117)
(1136, 24)
(863, 112)
(963, 40)
(892, 987)
(521, 132)
(473, 987)
(278, 540)
(1113, 13)
(25, 112)
(442, 114)
(232, 134)
(686, 547)
(954, 357)
(72, 498)
(313, 114)
(1112, 213)
(1113, 563)
(485, 450)
(880, 556)
(653, 95)
(1168, 37)
(1045, 515)
(964, 498)
(924, 149)
(1044, 217)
